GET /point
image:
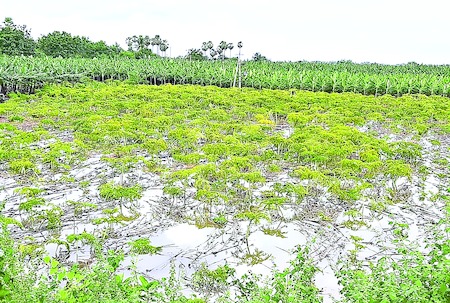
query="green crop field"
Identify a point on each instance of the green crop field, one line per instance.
(27, 73)
(107, 186)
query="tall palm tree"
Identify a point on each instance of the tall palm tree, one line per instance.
(129, 41)
(239, 45)
(156, 41)
(164, 46)
(138, 43)
(230, 46)
(212, 53)
(222, 46)
(143, 42)
(205, 47)
(153, 43)
(210, 46)
(219, 51)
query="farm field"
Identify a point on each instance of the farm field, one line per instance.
(197, 187)
(25, 74)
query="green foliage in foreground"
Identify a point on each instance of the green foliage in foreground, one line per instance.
(47, 280)
(25, 73)
(409, 277)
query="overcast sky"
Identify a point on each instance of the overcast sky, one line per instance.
(383, 31)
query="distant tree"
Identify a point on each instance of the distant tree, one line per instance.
(212, 53)
(116, 48)
(15, 39)
(219, 51)
(210, 46)
(205, 47)
(230, 46)
(259, 57)
(195, 54)
(164, 46)
(140, 45)
(101, 49)
(239, 45)
(63, 44)
(156, 41)
(221, 48)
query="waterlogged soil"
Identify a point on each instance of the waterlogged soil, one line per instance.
(252, 222)
(170, 224)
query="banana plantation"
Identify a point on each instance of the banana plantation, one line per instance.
(25, 74)
(314, 182)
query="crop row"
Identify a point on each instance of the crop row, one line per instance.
(25, 74)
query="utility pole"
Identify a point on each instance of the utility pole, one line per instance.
(236, 72)
(238, 67)
(240, 75)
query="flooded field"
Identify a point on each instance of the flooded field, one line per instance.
(191, 177)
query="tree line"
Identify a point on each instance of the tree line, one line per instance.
(16, 40)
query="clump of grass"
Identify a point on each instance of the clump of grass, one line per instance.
(29, 204)
(16, 118)
(112, 192)
(143, 246)
(23, 167)
(29, 192)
